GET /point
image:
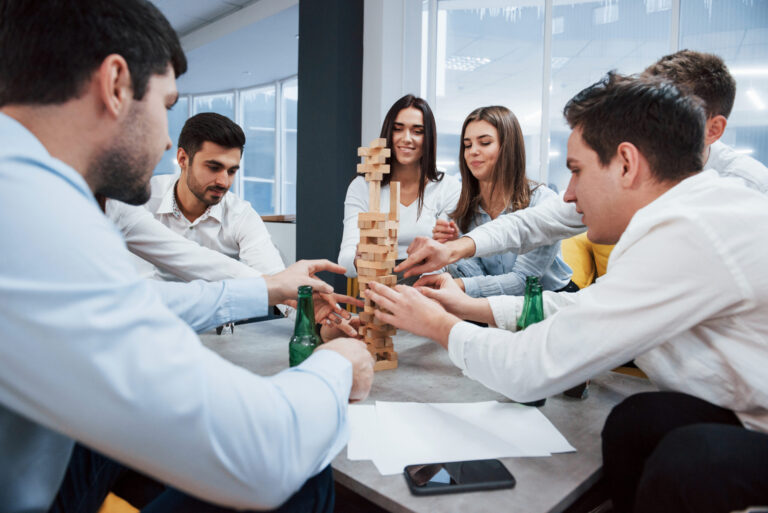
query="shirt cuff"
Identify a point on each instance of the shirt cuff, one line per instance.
(247, 298)
(483, 241)
(460, 333)
(503, 316)
(471, 287)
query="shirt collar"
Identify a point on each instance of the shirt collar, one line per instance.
(168, 205)
(20, 143)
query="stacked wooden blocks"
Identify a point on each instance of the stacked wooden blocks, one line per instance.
(377, 250)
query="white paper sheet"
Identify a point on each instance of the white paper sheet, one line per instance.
(399, 434)
(362, 431)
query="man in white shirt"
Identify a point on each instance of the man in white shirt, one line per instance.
(195, 204)
(94, 354)
(706, 75)
(685, 295)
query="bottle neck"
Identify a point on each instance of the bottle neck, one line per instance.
(305, 316)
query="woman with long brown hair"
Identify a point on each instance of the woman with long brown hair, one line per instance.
(426, 194)
(492, 164)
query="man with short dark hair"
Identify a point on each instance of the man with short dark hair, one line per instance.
(91, 353)
(196, 205)
(706, 75)
(685, 295)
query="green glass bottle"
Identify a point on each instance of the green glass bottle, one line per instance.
(533, 312)
(305, 338)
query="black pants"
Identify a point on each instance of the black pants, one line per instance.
(91, 476)
(671, 452)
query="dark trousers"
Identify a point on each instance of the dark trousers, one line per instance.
(672, 452)
(91, 476)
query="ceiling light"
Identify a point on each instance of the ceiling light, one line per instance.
(749, 72)
(465, 63)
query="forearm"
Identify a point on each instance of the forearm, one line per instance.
(205, 305)
(528, 229)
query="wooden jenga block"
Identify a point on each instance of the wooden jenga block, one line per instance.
(374, 196)
(371, 274)
(373, 176)
(384, 365)
(372, 248)
(373, 216)
(365, 317)
(378, 143)
(394, 201)
(372, 168)
(362, 264)
(376, 159)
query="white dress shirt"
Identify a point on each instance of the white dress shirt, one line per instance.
(685, 295)
(440, 199)
(92, 353)
(231, 227)
(169, 253)
(553, 219)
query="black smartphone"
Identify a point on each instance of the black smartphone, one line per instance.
(458, 476)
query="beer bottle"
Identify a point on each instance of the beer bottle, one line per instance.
(305, 338)
(533, 312)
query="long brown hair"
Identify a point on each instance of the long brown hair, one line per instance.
(508, 175)
(428, 163)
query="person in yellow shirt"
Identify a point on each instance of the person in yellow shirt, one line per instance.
(587, 259)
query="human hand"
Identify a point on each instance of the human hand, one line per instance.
(344, 328)
(412, 311)
(284, 286)
(445, 231)
(449, 292)
(362, 364)
(427, 255)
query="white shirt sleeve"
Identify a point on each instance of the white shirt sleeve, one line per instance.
(630, 310)
(165, 249)
(256, 247)
(521, 231)
(92, 352)
(355, 202)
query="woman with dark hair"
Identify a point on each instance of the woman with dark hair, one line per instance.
(493, 182)
(425, 194)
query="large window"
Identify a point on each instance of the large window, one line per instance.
(267, 114)
(534, 55)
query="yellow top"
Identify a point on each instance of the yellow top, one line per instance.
(587, 260)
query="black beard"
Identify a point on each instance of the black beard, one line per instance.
(121, 176)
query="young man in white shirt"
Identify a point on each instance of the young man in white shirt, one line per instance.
(703, 74)
(685, 295)
(94, 354)
(195, 204)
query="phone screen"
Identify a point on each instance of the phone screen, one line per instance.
(469, 475)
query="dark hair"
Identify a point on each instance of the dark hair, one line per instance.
(50, 48)
(666, 125)
(428, 149)
(704, 74)
(508, 175)
(209, 126)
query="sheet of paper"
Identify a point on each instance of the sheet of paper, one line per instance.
(410, 433)
(362, 431)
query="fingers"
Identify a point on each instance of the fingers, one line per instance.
(318, 285)
(383, 296)
(429, 280)
(348, 300)
(387, 318)
(316, 266)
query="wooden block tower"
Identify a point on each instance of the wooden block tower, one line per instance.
(378, 250)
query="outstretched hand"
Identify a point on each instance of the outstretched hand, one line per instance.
(284, 286)
(410, 310)
(444, 289)
(426, 255)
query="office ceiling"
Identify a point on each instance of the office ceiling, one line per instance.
(258, 53)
